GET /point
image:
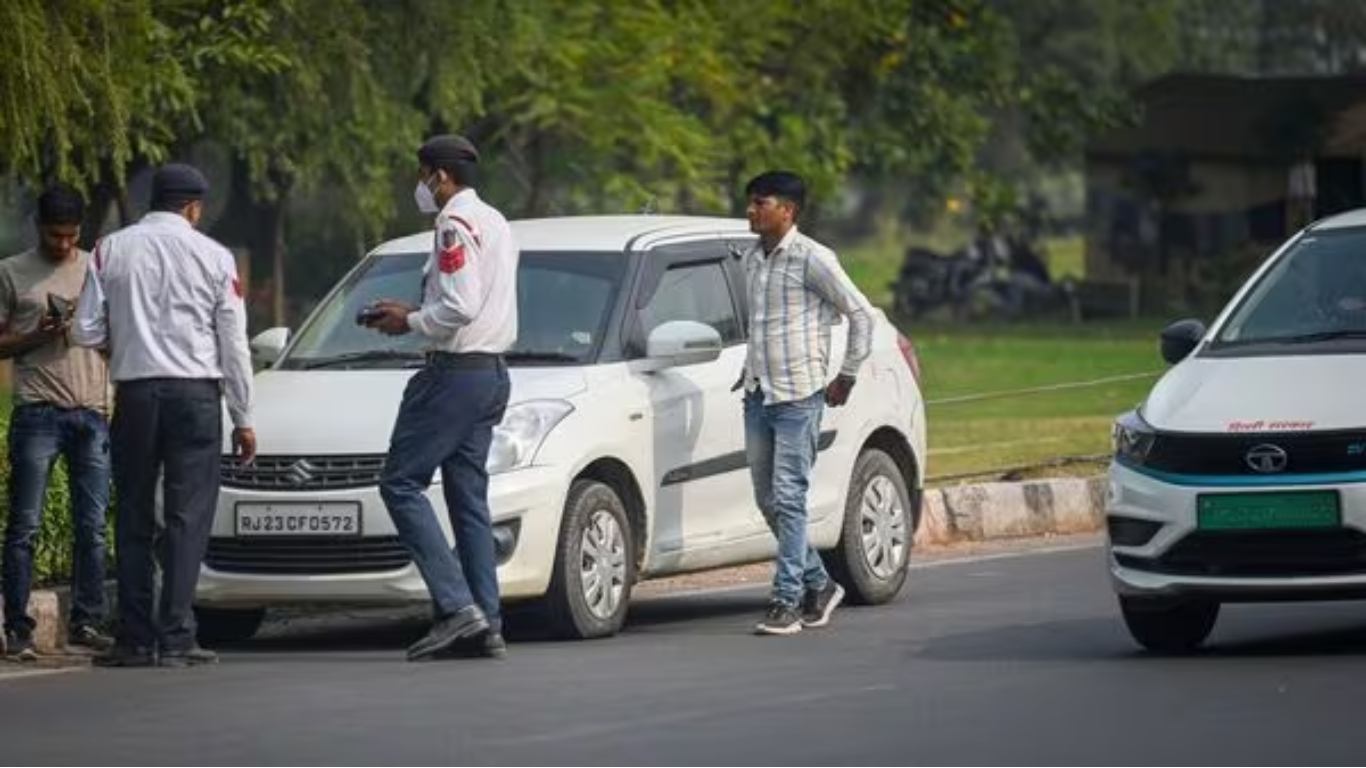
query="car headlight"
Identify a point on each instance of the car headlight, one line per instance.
(1133, 439)
(525, 426)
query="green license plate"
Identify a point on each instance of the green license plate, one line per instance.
(1269, 510)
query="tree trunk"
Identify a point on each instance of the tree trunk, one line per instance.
(124, 204)
(102, 196)
(279, 311)
(535, 202)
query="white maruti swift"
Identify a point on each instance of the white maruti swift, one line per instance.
(621, 456)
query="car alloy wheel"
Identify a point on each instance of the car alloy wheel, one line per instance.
(602, 571)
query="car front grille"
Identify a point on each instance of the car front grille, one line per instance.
(302, 473)
(1260, 554)
(1305, 452)
(307, 556)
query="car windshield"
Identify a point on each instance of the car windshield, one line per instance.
(1316, 292)
(563, 302)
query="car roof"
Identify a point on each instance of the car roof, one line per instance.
(596, 233)
(1356, 218)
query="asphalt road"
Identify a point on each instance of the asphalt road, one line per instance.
(1009, 659)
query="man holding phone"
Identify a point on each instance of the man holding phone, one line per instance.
(467, 319)
(61, 408)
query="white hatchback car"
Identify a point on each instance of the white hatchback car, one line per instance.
(1242, 477)
(621, 456)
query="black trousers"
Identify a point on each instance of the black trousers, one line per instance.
(171, 428)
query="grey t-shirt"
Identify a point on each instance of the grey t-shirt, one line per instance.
(59, 372)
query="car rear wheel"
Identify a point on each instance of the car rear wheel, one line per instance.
(227, 625)
(874, 551)
(594, 564)
(1169, 627)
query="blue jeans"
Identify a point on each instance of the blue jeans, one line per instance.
(446, 421)
(38, 434)
(780, 443)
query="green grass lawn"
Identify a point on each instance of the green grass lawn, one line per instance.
(996, 433)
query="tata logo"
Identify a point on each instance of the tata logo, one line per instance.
(1267, 458)
(300, 473)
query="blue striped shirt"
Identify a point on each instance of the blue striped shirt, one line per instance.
(796, 293)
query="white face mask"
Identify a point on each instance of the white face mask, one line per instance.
(426, 201)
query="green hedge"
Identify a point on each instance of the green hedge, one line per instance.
(52, 553)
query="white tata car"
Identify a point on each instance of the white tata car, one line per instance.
(1242, 477)
(621, 456)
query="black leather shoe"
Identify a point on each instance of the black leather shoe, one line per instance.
(494, 646)
(126, 656)
(188, 657)
(448, 631)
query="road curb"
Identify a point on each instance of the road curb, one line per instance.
(48, 607)
(1008, 510)
(979, 512)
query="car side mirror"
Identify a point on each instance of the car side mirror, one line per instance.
(1180, 339)
(268, 344)
(681, 342)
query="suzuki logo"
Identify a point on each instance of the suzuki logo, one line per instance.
(300, 473)
(1267, 458)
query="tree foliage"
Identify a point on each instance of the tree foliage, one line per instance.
(608, 106)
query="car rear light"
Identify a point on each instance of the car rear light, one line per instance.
(908, 352)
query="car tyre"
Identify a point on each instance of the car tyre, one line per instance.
(1166, 627)
(595, 564)
(227, 625)
(874, 551)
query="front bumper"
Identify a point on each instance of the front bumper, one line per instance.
(528, 501)
(1178, 560)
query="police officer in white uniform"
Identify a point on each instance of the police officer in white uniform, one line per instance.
(468, 318)
(166, 301)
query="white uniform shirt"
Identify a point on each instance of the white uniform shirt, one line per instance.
(166, 300)
(795, 294)
(469, 294)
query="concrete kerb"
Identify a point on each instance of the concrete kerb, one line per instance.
(48, 608)
(979, 512)
(1007, 510)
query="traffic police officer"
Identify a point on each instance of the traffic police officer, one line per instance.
(166, 301)
(468, 318)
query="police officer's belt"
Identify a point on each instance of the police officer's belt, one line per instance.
(464, 359)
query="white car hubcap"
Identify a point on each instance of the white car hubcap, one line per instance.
(602, 565)
(883, 524)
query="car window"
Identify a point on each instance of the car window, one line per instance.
(563, 304)
(1317, 288)
(564, 301)
(696, 292)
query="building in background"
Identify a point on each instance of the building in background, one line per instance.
(1215, 172)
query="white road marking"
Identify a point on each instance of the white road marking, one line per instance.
(5, 674)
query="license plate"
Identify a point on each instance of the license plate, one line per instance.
(1268, 510)
(329, 518)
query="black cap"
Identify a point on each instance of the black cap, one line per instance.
(447, 152)
(176, 184)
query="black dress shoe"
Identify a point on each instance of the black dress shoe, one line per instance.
(489, 645)
(494, 646)
(126, 656)
(188, 657)
(448, 631)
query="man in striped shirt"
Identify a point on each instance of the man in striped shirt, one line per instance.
(797, 290)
